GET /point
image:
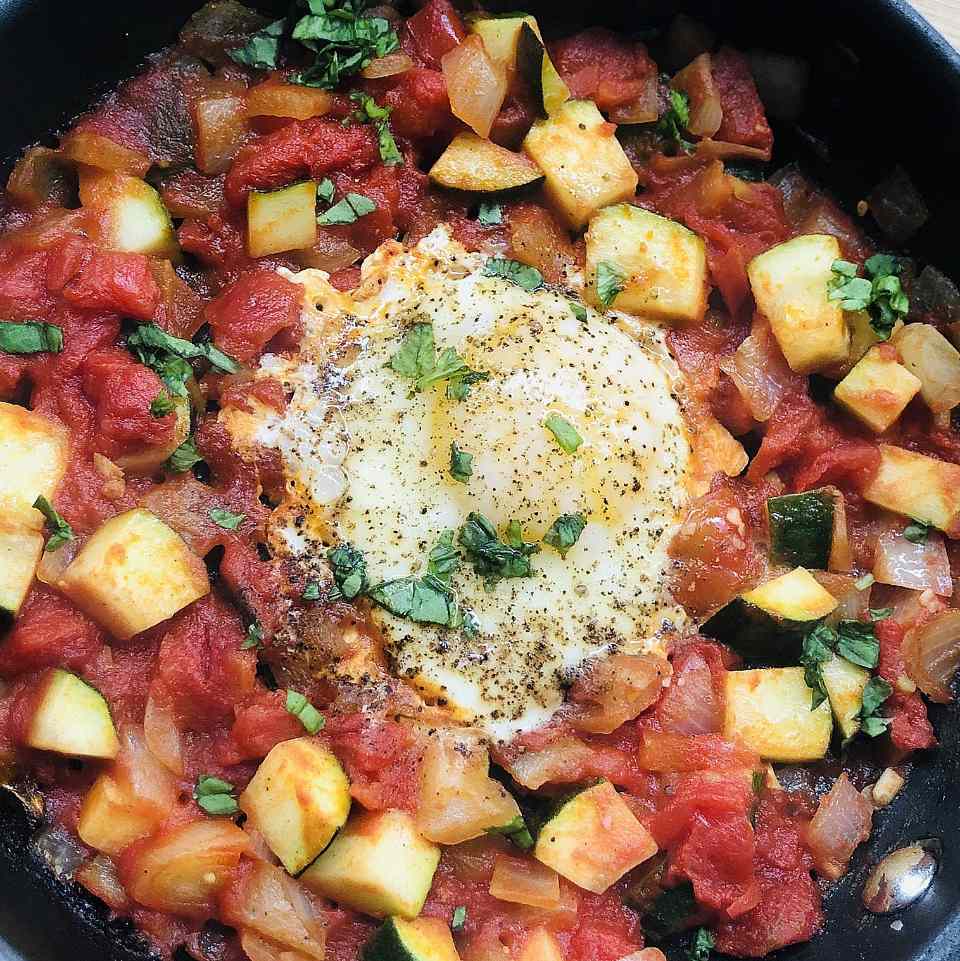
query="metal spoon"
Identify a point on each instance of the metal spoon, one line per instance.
(902, 877)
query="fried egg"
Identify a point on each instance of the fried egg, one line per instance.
(367, 462)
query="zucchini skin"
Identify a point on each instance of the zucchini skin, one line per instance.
(387, 945)
(757, 635)
(801, 529)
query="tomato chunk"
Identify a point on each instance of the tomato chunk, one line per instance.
(433, 32)
(744, 120)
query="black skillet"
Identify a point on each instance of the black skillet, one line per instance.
(885, 90)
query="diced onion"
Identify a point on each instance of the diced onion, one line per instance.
(162, 734)
(932, 654)
(330, 253)
(99, 877)
(841, 556)
(54, 563)
(696, 81)
(388, 66)
(920, 567)
(525, 881)
(644, 108)
(533, 769)
(148, 778)
(760, 373)
(476, 85)
(690, 704)
(842, 821)
(617, 689)
(722, 150)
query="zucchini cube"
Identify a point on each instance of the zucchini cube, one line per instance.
(298, 799)
(426, 939)
(845, 682)
(33, 460)
(794, 596)
(790, 285)
(71, 718)
(472, 163)
(133, 573)
(917, 486)
(279, 220)
(584, 165)
(593, 839)
(664, 264)
(20, 551)
(925, 352)
(111, 819)
(378, 864)
(768, 711)
(878, 388)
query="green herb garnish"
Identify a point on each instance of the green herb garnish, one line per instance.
(703, 944)
(262, 50)
(880, 613)
(610, 282)
(311, 719)
(674, 121)
(529, 278)
(874, 694)
(30, 338)
(226, 519)
(461, 464)
(578, 311)
(215, 796)
(417, 360)
(459, 918)
(370, 111)
(311, 591)
(917, 532)
(880, 293)
(818, 648)
(184, 457)
(492, 558)
(326, 190)
(563, 431)
(60, 530)
(161, 405)
(349, 572)
(564, 532)
(347, 211)
(489, 214)
(168, 355)
(253, 637)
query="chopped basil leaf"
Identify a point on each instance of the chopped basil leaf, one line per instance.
(818, 648)
(262, 50)
(529, 278)
(184, 457)
(311, 719)
(215, 796)
(494, 559)
(379, 116)
(417, 359)
(349, 572)
(426, 600)
(60, 530)
(226, 519)
(444, 558)
(161, 405)
(311, 591)
(857, 642)
(326, 190)
(565, 433)
(861, 584)
(917, 532)
(702, 945)
(30, 338)
(347, 211)
(880, 613)
(874, 694)
(461, 464)
(565, 531)
(759, 781)
(168, 356)
(254, 637)
(451, 367)
(880, 293)
(459, 918)
(578, 311)
(489, 214)
(673, 122)
(610, 281)
(516, 832)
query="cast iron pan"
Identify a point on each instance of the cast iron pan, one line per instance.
(885, 90)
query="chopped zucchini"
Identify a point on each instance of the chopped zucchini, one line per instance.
(663, 265)
(582, 160)
(280, 220)
(801, 528)
(378, 864)
(878, 388)
(593, 839)
(72, 718)
(151, 459)
(541, 946)
(426, 939)
(789, 283)
(917, 486)
(768, 711)
(133, 573)
(20, 550)
(926, 353)
(555, 91)
(111, 819)
(844, 683)
(298, 799)
(862, 338)
(666, 911)
(770, 621)
(33, 459)
(501, 35)
(132, 215)
(472, 163)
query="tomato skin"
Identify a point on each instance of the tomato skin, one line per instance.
(259, 727)
(251, 311)
(910, 728)
(255, 584)
(23, 285)
(432, 32)
(744, 120)
(418, 100)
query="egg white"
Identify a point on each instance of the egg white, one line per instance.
(367, 462)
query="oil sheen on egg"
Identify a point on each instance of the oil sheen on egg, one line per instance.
(367, 462)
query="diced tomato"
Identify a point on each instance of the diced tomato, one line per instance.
(123, 391)
(259, 727)
(418, 101)
(369, 231)
(255, 584)
(432, 32)
(910, 728)
(347, 278)
(251, 311)
(663, 751)
(315, 147)
(744, 121)
(23, 285)
(49, 632)
(219, 241)
(516, 117)
(605, 931)
(702, 794)
(189, 193)
(538, 240)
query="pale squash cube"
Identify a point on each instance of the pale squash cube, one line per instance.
(472, 163)
(917, 486)
(584, 165)
(20, 550)
(425, 939)
(878, 388)
(790, 285)
(281, 220)
(541, 945)
(925, 352)
(298, 799)
(768, 711)
(378, 864)
(844, 683)
(112, 819)
(133, 573)
(72, 718)
(33, 460)
(664, 265)
(795, 596)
